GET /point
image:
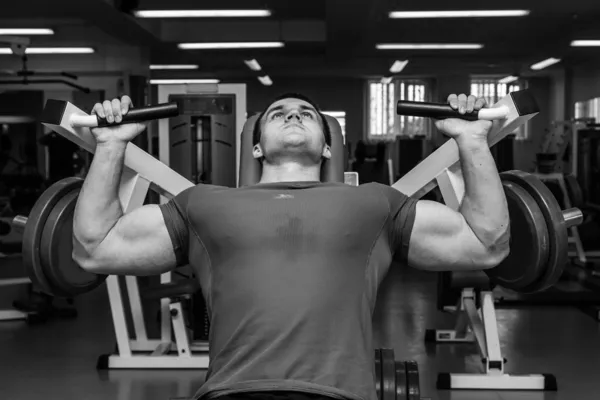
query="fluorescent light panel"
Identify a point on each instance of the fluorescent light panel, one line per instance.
(386, 80)
(265, 80)
(398, 66)
(202, 13)
(429, 46)
(335, 114)
(546, 63)
(26, 31)
(458, 14)
(585, 43)
(51, 50)
(229, 45)
(508, 79)
(181, 81)
(253, 64)
(174, 66)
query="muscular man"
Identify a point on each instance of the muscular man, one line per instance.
(290, 266)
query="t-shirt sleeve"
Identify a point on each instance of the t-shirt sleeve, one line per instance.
(401, 221)
(175, 215)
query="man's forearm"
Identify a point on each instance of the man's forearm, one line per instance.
(484, 205)
(98, 207)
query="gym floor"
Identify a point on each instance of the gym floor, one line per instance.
(57, 360)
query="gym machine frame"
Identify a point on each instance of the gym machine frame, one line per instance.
(442, 168)
(141, 172)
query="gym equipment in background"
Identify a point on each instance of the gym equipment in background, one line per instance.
(538, 242)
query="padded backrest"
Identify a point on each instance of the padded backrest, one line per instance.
(332, 170)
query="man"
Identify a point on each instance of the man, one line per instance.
(290, 266)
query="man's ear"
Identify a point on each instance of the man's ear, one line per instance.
(257, 151)
(326, 152)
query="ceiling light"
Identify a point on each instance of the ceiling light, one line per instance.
(23, 31)
(229, 45)
(181, 81)
(335, 114)
(545, 63)
(508, 79)
(585, 43)
(252, 64)
(398, 66)
(51, 50)
(386, 80)
(265, 80)
(174, 66)
(428, 46)
(201, 13)
(459, 14)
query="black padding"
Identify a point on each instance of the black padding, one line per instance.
(171, 289)
(550, 383)
(469, 279)
(331, 170)
(524, 102)
(443, 381)
(53, 111)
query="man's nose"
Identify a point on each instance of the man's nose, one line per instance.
(293, 114)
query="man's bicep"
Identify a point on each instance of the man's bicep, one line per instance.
(442, 240)
(139, 244)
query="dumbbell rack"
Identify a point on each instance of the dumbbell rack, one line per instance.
(142, 171)
(574, 237)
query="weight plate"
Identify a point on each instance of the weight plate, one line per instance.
(65, 276)
(378, 373)
(529, 242)
(557, 230)
(388, 375)
(35, 224)
(412, 380)
(574, 191)
(401, 383)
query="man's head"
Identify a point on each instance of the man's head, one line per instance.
(292, 128)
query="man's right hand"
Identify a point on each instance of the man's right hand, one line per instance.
(113, 111)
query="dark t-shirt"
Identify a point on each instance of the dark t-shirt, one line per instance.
(290, 273)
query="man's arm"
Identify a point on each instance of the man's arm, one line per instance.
(477, 235)
(105, 241)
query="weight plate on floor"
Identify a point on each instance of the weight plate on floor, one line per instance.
(529, 242)
(574, 191)
(401, 383)
(65, 277)
(378, 373)
(412, 380)
(32, 232)
(388, 375)
(557, 230)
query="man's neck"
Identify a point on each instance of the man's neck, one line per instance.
(290, 172)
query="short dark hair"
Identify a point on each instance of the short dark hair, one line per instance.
(257, 132)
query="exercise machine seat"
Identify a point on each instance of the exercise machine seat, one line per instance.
(332, 170)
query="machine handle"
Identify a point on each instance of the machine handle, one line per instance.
(441, 111)
(165, 110)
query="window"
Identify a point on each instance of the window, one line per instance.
(588, 109)
(492, 91)
(384, 124)
(341, 118)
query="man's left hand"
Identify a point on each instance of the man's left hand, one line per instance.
(462, 130)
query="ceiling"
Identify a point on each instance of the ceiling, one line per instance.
(323, 38)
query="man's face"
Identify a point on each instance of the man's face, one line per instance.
(292, 130)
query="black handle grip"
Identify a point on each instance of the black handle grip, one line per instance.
(432, 110)
(165, 110)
